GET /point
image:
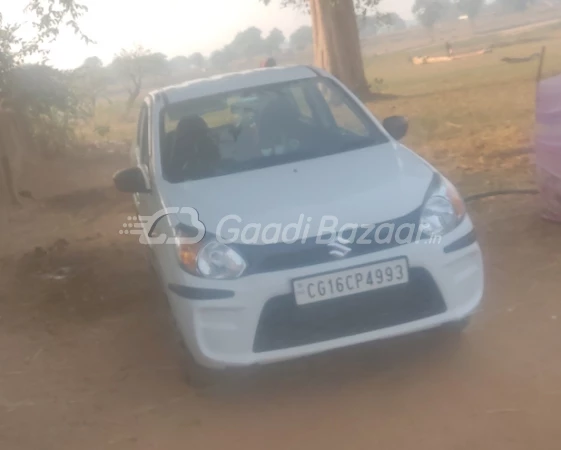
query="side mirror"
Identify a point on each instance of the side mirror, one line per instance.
(397, 126)
(130, 181)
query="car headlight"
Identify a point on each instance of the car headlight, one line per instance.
(443, 211)
(210, 259)
(216, 260)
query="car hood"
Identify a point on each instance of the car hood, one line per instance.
(366, 186)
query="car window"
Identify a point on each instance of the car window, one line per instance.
(301, 102)
(262, 127)
(340, 109)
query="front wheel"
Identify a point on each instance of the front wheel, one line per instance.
(460, 326)
(452, 334)
(199, 376)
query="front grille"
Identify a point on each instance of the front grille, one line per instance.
(284, 256)
(284, 324)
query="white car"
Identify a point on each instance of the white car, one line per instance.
(285, 220)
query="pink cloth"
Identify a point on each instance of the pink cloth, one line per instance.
(548, 146)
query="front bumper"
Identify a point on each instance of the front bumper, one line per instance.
(221, 332)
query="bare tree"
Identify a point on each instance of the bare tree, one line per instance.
(133, 66)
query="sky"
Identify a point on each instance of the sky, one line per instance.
(173, 27)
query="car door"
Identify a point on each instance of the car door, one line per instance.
(156, 224)
(141, 156)
(147, 204)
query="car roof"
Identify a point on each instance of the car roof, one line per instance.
(217, 84)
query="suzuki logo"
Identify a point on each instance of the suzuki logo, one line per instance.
(339, 250)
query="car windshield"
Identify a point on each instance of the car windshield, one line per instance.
(262, 127)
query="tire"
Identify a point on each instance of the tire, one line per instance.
(150, 260)
(448, 339)
(460, 326)
(451, 334)
(202, 377)
(198, 376)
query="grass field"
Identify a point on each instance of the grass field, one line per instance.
(472, 118)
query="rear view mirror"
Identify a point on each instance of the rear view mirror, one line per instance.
(397, 126)
(130, 181)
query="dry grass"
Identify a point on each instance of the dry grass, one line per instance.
(472, 118)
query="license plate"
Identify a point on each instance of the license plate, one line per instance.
(356, 280)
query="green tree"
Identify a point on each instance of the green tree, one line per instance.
(395, 21)
(93, 62)
(196, 60)
(40, 99)
(221, 59)
(274, 41)
(429, 13)
(248, 43)
(179, 64)
(47, 18)
(18, 109)
(302, 38)
(336, 37)
(52, 102)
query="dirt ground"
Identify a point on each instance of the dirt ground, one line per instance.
(88, 360)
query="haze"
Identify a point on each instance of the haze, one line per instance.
(173, 27)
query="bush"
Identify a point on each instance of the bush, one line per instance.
(48, 101)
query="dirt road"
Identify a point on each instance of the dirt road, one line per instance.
(87, 359)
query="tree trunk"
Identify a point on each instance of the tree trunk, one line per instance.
(133, 95)
(337, 43)
(11, 149)
(134, 92)
(8, 176)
